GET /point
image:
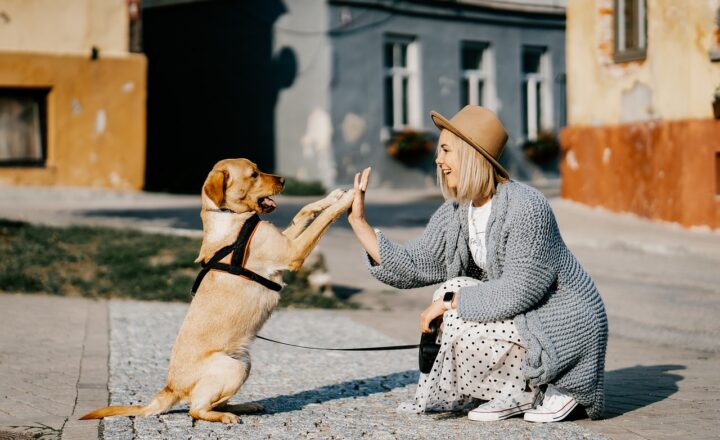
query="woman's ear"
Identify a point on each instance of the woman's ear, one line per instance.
(214, 187)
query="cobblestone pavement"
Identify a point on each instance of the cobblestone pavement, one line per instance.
(307, 394)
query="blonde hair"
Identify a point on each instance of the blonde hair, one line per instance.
(477, 177)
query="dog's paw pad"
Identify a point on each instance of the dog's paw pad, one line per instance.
(229, 419)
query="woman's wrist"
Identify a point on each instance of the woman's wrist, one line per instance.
(367, 238)
(354, 222)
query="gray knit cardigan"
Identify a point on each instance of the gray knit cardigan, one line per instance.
(531, 276)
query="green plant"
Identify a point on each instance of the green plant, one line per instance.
(296, 187)
(717, 93)
(544, 149)
(409, 145)
(113, 263)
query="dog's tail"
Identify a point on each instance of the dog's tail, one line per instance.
(162, 401)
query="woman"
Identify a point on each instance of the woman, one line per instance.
(524, 327)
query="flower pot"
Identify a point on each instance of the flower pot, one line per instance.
(543, 150)
(716, 108)
(409, 146)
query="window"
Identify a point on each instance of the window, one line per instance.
(536, 91)
(477, 85)
(402, 85)
(22, 126)
(630, 30)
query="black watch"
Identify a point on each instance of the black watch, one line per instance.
(448, 299)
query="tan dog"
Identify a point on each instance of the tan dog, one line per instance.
(210, 359)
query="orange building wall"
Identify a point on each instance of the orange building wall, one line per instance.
(95, 118)
(665, 170)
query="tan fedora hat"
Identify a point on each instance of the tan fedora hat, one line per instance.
(479, 127)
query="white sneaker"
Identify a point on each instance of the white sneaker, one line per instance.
(500, 409)
(556, 405)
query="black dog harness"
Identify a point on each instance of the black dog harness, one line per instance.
(237, 262)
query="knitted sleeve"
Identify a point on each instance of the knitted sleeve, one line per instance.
(529, 268)
(420, 261)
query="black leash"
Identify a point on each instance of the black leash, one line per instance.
(386, 348)
(237, 262)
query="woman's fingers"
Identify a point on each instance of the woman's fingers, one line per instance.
(364, 179)
(437, 308)
(357, 209)
(425, 322)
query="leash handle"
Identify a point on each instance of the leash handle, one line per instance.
(386, 348)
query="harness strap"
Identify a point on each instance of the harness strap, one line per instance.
(237, 261)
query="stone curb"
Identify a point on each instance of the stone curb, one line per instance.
(92, 389)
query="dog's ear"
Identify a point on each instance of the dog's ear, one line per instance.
(214, 187)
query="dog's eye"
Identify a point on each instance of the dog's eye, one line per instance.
(254, 174)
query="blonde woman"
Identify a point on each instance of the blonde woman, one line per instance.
(524, 328)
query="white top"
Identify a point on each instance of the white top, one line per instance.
(477, 224)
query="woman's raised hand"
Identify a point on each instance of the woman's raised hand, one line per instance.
(357, 210)
(356, 217)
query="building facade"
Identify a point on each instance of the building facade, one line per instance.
(72, 97)
(641, 138)
(366, 71)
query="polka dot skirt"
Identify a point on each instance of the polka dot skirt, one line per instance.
(477, 360)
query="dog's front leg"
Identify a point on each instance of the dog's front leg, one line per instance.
(301, 246)
(309, 212)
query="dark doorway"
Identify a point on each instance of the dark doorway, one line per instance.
(212, 88)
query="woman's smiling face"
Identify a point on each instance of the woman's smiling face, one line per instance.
(448, 159)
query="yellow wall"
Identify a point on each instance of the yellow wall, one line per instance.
(676, 80)
(64, 26)
(96, 118)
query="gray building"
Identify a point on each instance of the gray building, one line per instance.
(367, 70)
(318, 89)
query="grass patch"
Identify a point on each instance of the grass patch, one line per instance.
(113, 263)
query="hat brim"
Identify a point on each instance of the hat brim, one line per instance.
(442, 122)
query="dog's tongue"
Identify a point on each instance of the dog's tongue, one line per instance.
(267, 202)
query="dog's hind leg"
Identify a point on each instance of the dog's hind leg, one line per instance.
(222, 377)
(242, 356)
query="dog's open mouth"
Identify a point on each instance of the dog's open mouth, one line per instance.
(267, 204)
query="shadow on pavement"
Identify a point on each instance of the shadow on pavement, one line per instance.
(379, 215)
(349, 389)
(344, 292)
(628, 389)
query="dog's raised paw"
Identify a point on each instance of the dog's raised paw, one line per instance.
(336, 194)
(348, 197)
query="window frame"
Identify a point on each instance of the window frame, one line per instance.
(486, 75)
(40, 96)
(623, 54)
(543, 78)
(411, 72)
